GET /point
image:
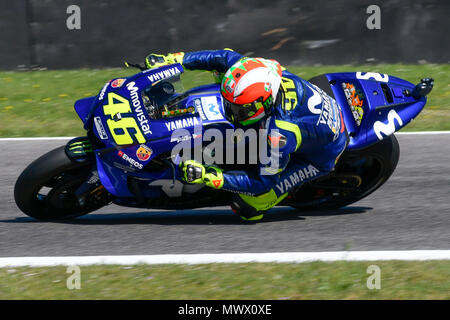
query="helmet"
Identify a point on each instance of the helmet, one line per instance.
(249, 89)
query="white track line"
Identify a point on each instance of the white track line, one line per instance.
(283, 257)
(68, 138)
(423, 132)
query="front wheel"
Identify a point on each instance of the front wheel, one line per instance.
(45, 189)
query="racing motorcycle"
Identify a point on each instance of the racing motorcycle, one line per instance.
(126, 156)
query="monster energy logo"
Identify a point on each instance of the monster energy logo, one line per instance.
(80, 147)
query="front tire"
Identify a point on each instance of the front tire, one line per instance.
(45, 189)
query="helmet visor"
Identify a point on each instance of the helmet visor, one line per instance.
(245, 114)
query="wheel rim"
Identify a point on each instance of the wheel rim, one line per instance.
(369, 168)
(56, 197)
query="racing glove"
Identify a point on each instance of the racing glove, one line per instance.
(154, 60)
(195, 172)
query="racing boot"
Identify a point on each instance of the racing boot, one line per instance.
(245, 210)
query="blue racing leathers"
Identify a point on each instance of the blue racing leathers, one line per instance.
(306, 135)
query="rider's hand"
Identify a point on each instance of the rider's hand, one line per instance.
(195, 172)
(154, 60)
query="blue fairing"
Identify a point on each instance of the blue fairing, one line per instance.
(83, 106)
(115, 163)
(385, 104)
(384, 107)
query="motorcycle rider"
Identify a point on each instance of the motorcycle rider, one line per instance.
(302, 121)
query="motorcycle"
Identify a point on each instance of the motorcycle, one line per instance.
(126, 156)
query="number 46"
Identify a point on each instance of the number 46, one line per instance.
(120, 129)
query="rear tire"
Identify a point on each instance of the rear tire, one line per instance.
(56, 173)
(380, 160)
(373, 164)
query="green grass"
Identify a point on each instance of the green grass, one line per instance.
(317, 280)
(40, 103)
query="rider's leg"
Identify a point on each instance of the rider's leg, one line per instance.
(297, 172)
(251, 208)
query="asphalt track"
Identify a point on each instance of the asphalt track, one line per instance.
(410, 212)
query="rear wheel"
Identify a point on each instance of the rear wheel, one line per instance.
(46, 188)
(357, 174)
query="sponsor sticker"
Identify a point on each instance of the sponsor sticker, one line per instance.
(130, 160)
(389, 127)
(210, 108)
(276, 139)
(296, 178)
(144, 153)
(179, 139)
(117, 83)
(138, 108)
(100, 128)
(163, 74)
(326, 107)
(372, 75)
(102, 93)
(217, 183)
(355, 100)
(182, 123)
(198, 107)
(230, 85)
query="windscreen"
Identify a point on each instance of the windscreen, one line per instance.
(163, 97)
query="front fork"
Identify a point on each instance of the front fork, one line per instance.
(80, 150)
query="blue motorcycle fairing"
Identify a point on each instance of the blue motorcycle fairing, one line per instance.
(385, 103)
(167, 138)
(90, 112)
(117, 162)
(83, 106)
(142, 80)
(113, 180)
